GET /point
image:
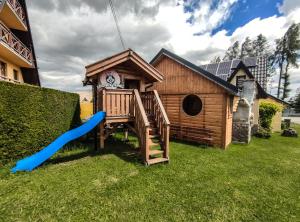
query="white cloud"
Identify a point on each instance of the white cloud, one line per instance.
(289, 6)
(70, 35)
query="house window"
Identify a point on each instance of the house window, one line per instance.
(192, 105)
(16, 75)
(2, 68)
(239, 82)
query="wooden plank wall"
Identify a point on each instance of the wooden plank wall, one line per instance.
(214, 121)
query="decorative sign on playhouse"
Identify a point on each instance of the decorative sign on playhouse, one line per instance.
(110, 80)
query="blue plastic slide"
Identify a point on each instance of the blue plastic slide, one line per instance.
(31, 162)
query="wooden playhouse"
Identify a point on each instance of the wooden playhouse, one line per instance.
(121, 87)
(199, 104)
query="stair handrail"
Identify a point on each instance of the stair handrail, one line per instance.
(162, 108)
(142, 125)
(139, 105)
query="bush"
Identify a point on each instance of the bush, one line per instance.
(31, 117)
(263, 133)
(266, 113)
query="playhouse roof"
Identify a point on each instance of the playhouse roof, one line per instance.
(128, 57)
(224, 84)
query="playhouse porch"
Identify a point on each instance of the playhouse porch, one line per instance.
(120, 86)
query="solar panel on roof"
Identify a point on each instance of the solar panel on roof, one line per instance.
(235, 63)
(224, 68)
(257, 66)
(212, 68)
(250, 61)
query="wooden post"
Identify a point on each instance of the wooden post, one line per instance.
(166, 141)
(102, 135)
(126, 134)
(94, 112)
(147, 145)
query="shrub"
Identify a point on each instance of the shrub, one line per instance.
(31, 117)
(263, 133)
(266, 113)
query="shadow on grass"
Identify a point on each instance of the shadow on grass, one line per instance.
(192, 144)
(113, 145)
(124, 150)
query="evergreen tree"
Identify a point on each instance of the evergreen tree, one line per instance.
(261, 46)
(232, 52)
(296, 104)
(285, 57)
(247, 48)
(216, 59)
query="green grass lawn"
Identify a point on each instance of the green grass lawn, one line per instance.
(258, 182)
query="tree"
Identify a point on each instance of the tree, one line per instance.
(232, 52)
(261, 46)
(247, 48)
(296, 104)
(216, 59)
(285, 57)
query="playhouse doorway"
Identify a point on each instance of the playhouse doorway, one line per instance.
(132, 84)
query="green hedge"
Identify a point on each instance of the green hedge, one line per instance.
(31, 117)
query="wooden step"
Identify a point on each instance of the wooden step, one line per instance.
(153, 130)
(157, 160)
(153, 136)
(155, 152)
(153, 143)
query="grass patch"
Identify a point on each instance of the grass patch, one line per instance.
(258, 182)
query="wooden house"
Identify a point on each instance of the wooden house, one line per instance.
(198, 103)
(17, 56)
(242, 73)
(121, 89)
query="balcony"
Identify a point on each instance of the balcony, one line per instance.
(12, 49)
(13, 15)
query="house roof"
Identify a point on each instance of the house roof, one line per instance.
(125, 56)
(224, 84)
(240, 66)
(262, 94)
(257, 65)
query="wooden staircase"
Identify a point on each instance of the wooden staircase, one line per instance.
(150, 121)
(155, 142)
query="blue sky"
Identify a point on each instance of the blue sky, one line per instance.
(242, 12)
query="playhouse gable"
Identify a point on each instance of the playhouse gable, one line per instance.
(126, 60)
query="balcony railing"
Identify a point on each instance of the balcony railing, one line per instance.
(18, 10)
(9, 39)
(7, 79)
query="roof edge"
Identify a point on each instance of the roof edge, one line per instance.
(224, 84)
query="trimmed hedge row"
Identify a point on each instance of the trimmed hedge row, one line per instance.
(31, 117)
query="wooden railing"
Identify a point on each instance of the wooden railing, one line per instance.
(142, 125)
(15, 5)
(155, 108)
(9, 39)
(116, 103)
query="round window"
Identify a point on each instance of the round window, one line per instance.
(192, 105)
